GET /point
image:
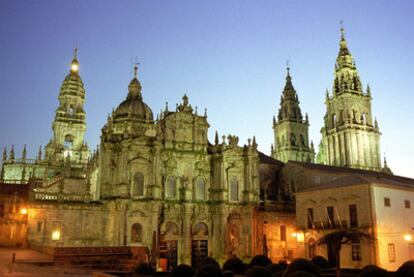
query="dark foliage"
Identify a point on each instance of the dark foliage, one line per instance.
(260, 260)
(235, 265)
(301, 265)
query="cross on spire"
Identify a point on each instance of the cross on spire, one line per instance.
(341, 23)
(287, 67)
(136, 68)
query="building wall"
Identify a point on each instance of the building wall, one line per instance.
(340, 198)
(393, 223)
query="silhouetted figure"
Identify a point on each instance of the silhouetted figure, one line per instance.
(209, 270)
(258, 271)
(275, 268)
(260, 260)
(301, 265)
(301, 274)
(144, 269)
(235, 265)
(320, 262)
(406, 270)
(373, 271)
(182, 270)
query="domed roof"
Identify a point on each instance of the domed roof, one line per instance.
(133, 107)
(72, 85)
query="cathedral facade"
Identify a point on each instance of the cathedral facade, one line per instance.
(159, 183)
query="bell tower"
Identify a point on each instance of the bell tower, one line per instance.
(291, 136)
(350, 137)
(69, 125)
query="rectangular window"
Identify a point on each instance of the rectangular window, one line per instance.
(391, 252)
(387, 202)
(310, 218)
(411, 251)
(282, 232)
(353, 216)
(356, 251)
(39, 226)
(407, 204)
(331, 216)
(1, 210)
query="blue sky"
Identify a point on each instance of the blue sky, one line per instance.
(228, 56)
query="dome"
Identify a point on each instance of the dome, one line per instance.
(72, 85)
(133, 107)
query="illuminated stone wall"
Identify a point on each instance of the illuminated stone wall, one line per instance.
(350, 136)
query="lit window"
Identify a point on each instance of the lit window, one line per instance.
(411, 251)
(356, 250)
(56, 234)
(391, 252)
(407, 204)
(282, 232)
(136, 233)
(387, 202)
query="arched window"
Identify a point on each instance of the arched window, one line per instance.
(311, 248)
(200, 228)
(292, 139)
(302, 140)
(234, 190)
(364, 118)
(71, 110)
(68, 143)
(136, 233)
(138, 189)
(333, 120)
(200, 189)
(170, 188)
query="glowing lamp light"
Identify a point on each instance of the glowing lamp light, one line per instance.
(56, 235)
(300, 237)
(23, 211)
(408, 237)
(74, 67)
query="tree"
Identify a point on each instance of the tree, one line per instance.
(337, 238)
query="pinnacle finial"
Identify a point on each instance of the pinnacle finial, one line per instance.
(341, 23)
(136, 69)
(75, 53)
(287, 68)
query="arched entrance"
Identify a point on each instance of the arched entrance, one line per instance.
(234, 235)
(169, 246)
(199, 243)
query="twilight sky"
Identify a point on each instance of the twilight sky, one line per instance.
(228, 56)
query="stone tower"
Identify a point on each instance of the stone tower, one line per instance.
(290, 130)
(69, 125)
(350, 136)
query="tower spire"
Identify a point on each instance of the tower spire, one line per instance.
(74, 66)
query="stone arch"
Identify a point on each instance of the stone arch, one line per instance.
(292, 139)
(136, 233)
(68, 141)
(200, 228)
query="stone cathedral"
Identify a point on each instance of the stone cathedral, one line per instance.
(158, 182)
